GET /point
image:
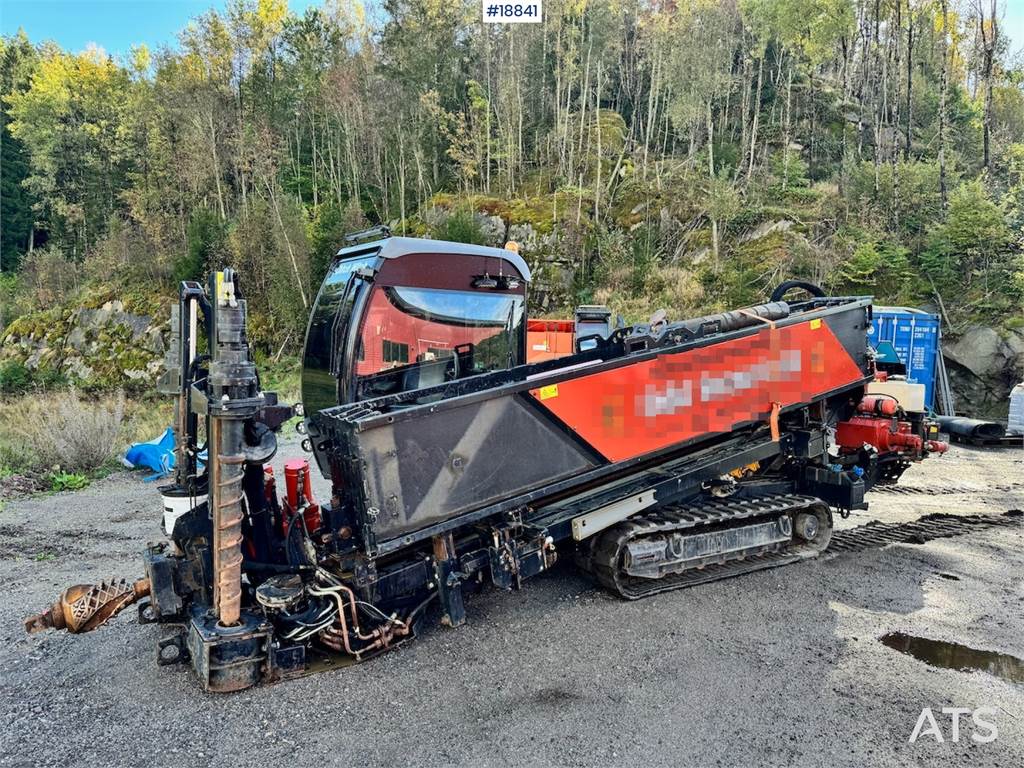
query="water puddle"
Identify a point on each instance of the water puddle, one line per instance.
(938, 653)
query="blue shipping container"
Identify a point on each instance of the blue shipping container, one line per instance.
(915, 336)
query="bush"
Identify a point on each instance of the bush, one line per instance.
(882, 269)
(48, 277)
(461, 226)
(262, 251)
(633, 277)
(328, 228)
(13, 301)
(129, 255)
(971, 245)
(917, 206)
(206, 245)
(871, 262)
(14, 377)
(65, 431)
(788, 169)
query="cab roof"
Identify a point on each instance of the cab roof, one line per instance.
(396, 247)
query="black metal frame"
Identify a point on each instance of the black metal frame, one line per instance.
(609, 356)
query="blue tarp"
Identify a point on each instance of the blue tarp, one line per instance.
(157, 455)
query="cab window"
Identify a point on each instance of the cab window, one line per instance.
(414, 338)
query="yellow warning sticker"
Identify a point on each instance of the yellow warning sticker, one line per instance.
(815, 324)
(551, 390)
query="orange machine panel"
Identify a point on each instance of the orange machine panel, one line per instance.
(640, 408)
(548, 339)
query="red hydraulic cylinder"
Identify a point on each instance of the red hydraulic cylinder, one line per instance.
(299, 492)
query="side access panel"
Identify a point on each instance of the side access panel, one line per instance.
(648, 406)
(425, 470)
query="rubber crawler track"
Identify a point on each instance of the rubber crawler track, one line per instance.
(604, 561)
(943, 490)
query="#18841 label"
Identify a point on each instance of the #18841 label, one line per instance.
(513, 13)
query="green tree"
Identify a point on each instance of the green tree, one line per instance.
(881, 269)
(17, 61)
(71, 119)
(206, 246)
(969, 251)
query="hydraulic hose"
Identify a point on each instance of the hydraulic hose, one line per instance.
(790, 285)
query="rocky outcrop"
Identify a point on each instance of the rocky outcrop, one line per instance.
(554, 261)
(94, 347)
(984, 365)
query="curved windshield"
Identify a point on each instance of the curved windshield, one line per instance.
(414, 338)
(319, 382)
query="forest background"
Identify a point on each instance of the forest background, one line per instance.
(645, 154)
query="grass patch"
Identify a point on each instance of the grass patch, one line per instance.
(145, 418)
(282, 376)
(58, 441)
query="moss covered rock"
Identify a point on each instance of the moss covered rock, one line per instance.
(96, 345)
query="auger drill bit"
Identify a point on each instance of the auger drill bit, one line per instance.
(84, 607)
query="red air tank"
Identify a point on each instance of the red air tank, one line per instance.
(878, 405)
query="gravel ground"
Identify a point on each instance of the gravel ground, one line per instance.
(782, 667)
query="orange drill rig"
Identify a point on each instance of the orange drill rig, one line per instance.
(657, 456)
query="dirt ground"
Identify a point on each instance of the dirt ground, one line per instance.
(782, 667)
